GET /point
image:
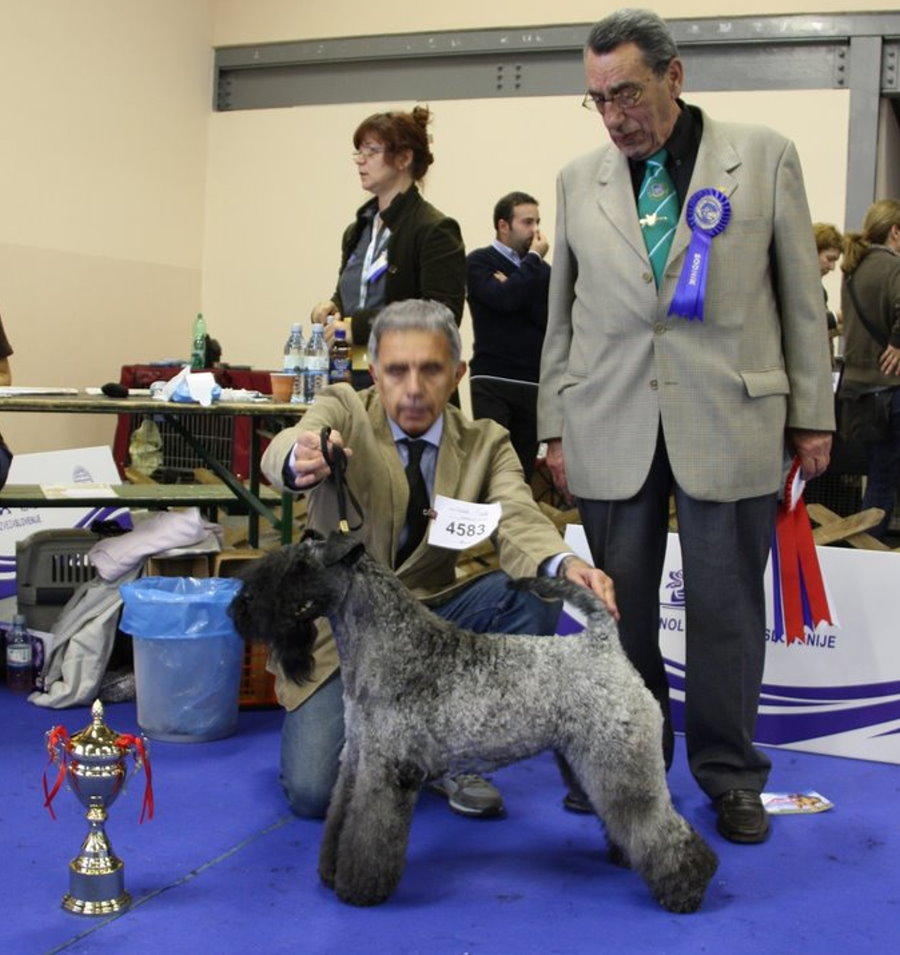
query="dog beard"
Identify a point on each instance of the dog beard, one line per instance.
(291, 645)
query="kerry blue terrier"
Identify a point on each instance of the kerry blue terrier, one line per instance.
(423, 699)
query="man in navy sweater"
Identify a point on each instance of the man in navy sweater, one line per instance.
(507, 284)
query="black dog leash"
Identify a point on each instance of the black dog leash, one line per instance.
(337, 464)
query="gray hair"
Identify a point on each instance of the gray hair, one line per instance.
(420, 315)
(644, 28)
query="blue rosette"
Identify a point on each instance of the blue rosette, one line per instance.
(708, 214)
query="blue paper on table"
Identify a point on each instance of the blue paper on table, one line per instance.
(183, 393)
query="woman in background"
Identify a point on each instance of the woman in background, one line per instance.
(399, 245)
(829, 242)
(871, 287)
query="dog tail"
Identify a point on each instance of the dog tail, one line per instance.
(582, 599)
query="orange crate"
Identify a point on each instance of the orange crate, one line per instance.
(257, 684)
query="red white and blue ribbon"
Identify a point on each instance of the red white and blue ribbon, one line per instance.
(799, 597)
(708, 214)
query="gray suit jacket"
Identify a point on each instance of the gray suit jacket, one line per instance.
(614, 365)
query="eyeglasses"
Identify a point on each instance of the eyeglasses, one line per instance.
(626, 97)
(366, 152)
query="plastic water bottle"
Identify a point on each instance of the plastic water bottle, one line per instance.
(19, 657)
(198, 343)
(295, 360)
(340, 363)
(315, 365)
(293, 350)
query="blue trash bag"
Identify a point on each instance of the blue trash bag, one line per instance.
(188, 657)
(178, 606)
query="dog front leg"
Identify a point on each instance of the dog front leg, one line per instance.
(334, 819)
(372, 844)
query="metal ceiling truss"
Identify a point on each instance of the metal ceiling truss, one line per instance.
(859, 52)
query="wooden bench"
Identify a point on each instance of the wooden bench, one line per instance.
(830, 528)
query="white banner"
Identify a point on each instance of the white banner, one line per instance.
(836, 691)
(72, 466)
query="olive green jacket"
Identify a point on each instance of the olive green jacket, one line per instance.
(876, 282)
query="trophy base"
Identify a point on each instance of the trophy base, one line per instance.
(88, 907)
(96, 887)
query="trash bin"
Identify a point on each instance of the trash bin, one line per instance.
(187, 656)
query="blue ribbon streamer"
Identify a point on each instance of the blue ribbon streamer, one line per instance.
(708, 214)
(777, 610)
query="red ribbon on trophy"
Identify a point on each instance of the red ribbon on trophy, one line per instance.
(59, 747)
(58, 736)
(799, 598)
(126, 742)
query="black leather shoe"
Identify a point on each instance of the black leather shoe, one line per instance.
(742, 817)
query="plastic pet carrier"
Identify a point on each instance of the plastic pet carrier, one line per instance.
(50, 566)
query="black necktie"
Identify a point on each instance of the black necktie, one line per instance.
(417, 509)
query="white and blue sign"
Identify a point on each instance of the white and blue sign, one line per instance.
(836, 691)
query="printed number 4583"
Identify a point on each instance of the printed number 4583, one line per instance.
(462, 529)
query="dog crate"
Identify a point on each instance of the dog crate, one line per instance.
(179, 458)
(50, 566)
(226, 438)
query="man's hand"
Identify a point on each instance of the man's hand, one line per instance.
(333, 326)
(890, 361)
(557, 465)
(321, 312)
(813, 448)
(308, 463)
(579, 572)
(539, 244)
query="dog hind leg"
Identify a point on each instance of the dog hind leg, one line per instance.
(661, 846)
(631, 797)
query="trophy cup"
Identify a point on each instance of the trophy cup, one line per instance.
(93, 761)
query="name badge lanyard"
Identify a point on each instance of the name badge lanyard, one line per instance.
(375, 261)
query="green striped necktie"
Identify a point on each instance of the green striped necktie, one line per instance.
(658, 211)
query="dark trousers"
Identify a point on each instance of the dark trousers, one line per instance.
(512, 404)
(724, 548)
(883, 472)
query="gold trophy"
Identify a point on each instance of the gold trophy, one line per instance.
(93, 761)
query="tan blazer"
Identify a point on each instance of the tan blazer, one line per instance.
(475, 462)
(615, 365)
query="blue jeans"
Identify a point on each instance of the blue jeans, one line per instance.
(884, 471)
(313, 734)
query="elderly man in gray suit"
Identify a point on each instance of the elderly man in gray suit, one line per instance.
(696, 372)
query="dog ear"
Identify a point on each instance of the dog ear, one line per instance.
(344, 548)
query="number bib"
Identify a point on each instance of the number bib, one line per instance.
(458, 525)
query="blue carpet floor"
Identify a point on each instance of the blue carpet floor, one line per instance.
(223, 867)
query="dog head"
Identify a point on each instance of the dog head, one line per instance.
(286, 591)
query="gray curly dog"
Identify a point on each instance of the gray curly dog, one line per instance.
(423, 699)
